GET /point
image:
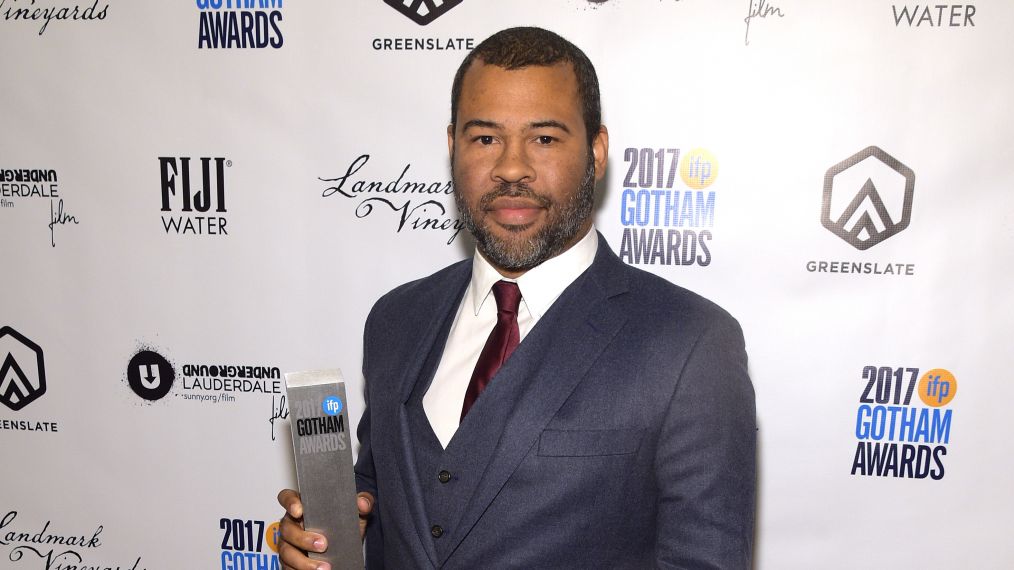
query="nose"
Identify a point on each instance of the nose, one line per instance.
(513, 165)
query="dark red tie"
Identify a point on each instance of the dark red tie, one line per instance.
(502, 341)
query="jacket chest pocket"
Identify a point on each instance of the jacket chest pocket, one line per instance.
(588, 443)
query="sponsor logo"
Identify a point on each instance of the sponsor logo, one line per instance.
(423, 44)
(423, 12)
(153, 376)
(227, 379)
(410, 204)
(332, 405)
(249, 544)
(317, 433)
(239, 24)
(22, 370)
(49, 548)
(22, 380)
(934, 16)
(867, 199)
(47, 12)
(29, 425)
(860, 267)
(19, 183)
(664, 223)
(201, 212)
(150, 375)
(25, 183)
(899, 435)
(854, 208)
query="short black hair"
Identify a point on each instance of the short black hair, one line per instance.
(517, 48)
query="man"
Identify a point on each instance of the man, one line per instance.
(619, 430)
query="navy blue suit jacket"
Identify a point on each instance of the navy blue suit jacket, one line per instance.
(621, 432)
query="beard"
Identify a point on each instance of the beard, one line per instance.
(518, 253)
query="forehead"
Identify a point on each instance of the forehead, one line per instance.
(530, 93)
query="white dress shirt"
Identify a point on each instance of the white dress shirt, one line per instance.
(540, 287)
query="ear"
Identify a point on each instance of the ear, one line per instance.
(450, 141)
(600, 149)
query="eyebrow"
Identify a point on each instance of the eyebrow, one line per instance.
(549, 123)
(479, 123)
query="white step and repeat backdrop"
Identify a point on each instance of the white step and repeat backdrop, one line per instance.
(198, 196)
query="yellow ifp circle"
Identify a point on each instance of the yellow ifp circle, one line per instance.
(271, 536)
(699, 168)
(937, 387)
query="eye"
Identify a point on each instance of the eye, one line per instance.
(545, 139)
(484, 139)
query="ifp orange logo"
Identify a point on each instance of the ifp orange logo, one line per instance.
(271, 536)
(699, 168)
(937, 387)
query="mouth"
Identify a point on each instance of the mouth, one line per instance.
(514, 211)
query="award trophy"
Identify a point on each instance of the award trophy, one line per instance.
(322, 446)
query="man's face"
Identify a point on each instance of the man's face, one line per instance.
(524, 176)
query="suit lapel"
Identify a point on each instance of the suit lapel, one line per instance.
(431, 338)
(543, 372)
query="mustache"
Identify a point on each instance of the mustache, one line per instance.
(513, 190)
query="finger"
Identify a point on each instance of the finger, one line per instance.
(292, 558)
(292, 533)
(289, 500)
(364, 501)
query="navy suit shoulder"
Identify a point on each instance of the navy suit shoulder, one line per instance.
(669, 302)
(405, 300)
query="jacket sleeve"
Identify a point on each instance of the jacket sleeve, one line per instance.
(706, 457)
(366, 476)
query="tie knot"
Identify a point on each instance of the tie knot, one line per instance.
(507, 295)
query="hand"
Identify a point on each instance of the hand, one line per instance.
(295, 541)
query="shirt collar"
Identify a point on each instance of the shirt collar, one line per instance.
(541, 285)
